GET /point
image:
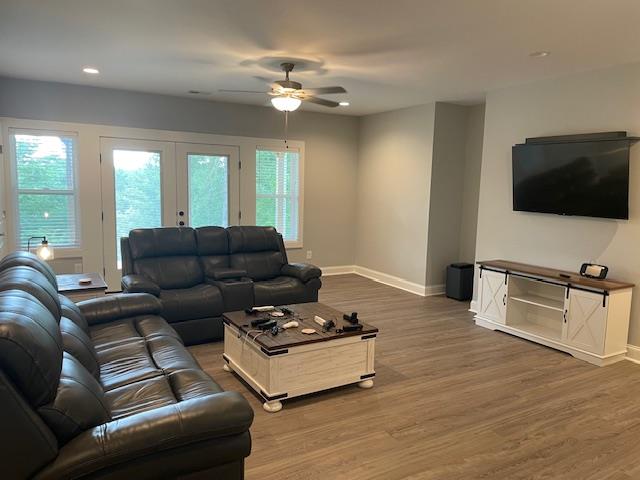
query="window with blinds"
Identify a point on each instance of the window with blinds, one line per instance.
(278, 191)
(46, 195)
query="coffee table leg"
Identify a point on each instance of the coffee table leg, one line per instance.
(272, 407)
(366, 383)
(227, 368)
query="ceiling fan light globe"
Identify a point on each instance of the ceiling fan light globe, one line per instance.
(286, 104)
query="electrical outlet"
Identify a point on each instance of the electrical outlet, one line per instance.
(77, 267)
(309, 254)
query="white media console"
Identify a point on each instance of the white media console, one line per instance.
(585, 317)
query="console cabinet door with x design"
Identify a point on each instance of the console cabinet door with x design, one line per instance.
(493, 297)
(586, 315)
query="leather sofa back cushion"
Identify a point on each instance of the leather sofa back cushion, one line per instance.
(252, 239)
(171, 272)
(26, 259)
(161, 242)
(212, 241)
(258, 265)
(32, 281)
(30, 346)
(79, 403)
(76, 342)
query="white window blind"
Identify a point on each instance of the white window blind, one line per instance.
(278, 191)
(46, 203)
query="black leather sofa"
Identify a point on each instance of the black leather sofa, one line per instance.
(198, 274)
(106, 389)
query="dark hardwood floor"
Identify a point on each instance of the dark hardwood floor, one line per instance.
(450, 401)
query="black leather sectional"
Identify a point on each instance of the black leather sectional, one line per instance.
(105, 388)
(198, 274)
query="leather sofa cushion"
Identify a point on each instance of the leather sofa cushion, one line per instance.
(143, 359)
(162, 242)
(71, 311)
(258, 265)
(200, 301)
(79, 403)
(106, 335)
(30, 346)
(160, 391)
(126, 363)
(171, 271)
(252, 239)
(76, 342)
(279, 291)
(170, 355)
(212, 241)
(20, 258)
(139, 397)
(32, 281)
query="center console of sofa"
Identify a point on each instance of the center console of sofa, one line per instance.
(199, 274)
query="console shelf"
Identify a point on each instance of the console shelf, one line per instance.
(539, 301)
(587, 318)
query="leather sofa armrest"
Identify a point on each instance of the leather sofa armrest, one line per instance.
(114, 307)
(228, 273)
(146, 435)
(302, 271)
(139, 284)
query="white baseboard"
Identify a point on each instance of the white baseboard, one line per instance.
(380, 277)
(473, 306)
(633, 354)
(338, 270)
(391, 280)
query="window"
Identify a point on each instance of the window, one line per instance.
(45, 187)
(208, 190)
(278, 192)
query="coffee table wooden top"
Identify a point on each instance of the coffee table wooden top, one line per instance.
(303, 313)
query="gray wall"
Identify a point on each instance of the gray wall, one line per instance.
(597, 101)
(471, 183)
(394, 178)
(447, 181)
(331, 144)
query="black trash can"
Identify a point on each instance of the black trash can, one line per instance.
(460, 281)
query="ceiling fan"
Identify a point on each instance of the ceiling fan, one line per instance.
(287, 95)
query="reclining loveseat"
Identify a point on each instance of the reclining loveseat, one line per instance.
(198, 274)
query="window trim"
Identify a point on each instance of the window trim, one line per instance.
(298, 243)
(61, 251)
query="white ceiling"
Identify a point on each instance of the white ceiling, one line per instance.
(387, 54)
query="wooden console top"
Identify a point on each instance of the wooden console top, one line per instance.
(562, 276)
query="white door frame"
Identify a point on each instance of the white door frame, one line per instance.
(182, 177)
(3, 212)
(168, 195)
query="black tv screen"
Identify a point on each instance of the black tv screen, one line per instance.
(589, 179)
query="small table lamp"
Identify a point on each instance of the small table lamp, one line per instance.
(44, 251)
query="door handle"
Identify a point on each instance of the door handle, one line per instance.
(564, 315)
(504, 299)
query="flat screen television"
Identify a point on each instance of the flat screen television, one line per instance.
(589, 179)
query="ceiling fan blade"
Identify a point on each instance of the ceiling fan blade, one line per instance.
(222, 90)
(326, 90)
(320, 101)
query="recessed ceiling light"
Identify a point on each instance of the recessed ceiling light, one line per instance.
(539, 54)
(344, 104)
(91, 70)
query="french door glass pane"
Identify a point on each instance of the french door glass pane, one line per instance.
(208, 190)
(138, 192)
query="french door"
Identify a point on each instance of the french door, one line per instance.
(148, 183)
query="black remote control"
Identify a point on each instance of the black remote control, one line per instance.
(259, 321)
